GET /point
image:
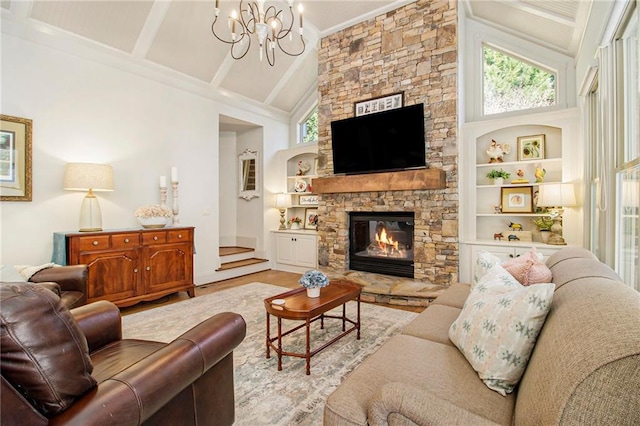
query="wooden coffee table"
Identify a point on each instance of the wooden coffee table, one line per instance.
(298, 306)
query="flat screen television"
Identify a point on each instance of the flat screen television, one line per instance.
(386, 141)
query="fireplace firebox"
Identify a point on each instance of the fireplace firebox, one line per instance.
(381, 242)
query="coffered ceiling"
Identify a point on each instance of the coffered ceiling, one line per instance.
(173, 37)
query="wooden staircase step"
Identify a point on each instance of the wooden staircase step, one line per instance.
(228, 251)
(240, 263)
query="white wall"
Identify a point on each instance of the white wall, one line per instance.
(228, 188)
(88, 112)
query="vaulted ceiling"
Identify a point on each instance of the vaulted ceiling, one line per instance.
(174, 37)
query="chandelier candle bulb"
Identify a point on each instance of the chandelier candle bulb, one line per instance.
(163, 181)
(300, 9)
(174, 174)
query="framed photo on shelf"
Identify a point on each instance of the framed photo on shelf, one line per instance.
(383, 103)
(311, 219)
(517, 200)
(15, 158)
(531, 147)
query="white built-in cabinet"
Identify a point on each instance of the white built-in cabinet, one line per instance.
(479, 196)
(297, 249)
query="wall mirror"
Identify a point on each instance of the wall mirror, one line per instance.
(249, 183)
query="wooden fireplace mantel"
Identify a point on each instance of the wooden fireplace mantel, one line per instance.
(389, 181)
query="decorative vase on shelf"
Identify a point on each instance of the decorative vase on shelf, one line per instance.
(498, 181)
(313, 292)
(295, 225)
(544, 235)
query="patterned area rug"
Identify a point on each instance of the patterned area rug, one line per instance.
(264, 395)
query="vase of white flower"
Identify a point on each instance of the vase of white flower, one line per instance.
(313, 281)
(153, 216)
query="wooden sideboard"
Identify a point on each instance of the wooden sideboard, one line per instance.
(130, 266)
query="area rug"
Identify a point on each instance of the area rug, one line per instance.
(265, 396)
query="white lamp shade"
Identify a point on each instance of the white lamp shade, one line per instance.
(556, 195)
(283, 200)
(88, 176)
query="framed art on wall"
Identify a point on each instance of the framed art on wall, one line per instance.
(311, 219)
(517, 200)
(531, 147)
(15, 158)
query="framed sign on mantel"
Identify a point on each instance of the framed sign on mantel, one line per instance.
(382, 103)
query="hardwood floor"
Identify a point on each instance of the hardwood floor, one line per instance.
(279, 278)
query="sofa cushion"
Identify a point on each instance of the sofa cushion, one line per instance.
(528, 269)
(44, 353)
(453, 296)
(498, 327)
(433, 324)
(439, 369)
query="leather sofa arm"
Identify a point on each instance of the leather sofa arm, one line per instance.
(100, 322)
(417, 405)
(70, 278)
(135, 394)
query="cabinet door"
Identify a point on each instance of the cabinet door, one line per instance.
(285, 252)
(504, 253)
(306, 250)
(545, 252)
(113, 275)
(167, 267)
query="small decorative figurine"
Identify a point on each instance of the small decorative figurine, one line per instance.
(539, 174)
(520, 177)
(498, 236)
(303, 168)
(515, 226)
(497, 209)
(497, 151)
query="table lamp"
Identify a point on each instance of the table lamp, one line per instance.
(89, 177)
(555, 196)
(282, 202)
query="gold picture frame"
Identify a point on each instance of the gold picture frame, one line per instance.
(15, 158)
(517, 200)
(531, 148)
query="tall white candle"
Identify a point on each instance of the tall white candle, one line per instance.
(163, 181)
(174, 174)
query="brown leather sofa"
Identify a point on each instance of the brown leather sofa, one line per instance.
(68, 282)
(102, 379)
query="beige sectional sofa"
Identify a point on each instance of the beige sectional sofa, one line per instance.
(584, 368)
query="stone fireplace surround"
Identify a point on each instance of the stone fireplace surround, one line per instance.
(412, 49)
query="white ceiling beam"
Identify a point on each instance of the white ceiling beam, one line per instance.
(151, 27)
(542, 13)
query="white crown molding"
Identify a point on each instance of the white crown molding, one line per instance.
(361, 18)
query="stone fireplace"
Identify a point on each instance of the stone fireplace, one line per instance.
(381, 242)
(411, 50)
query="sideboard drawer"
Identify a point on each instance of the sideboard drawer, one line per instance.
(154, 238)
(179, 236)
(93, 243)
(119, 241)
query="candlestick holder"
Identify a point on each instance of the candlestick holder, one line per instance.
(163, 196)
(174, 193)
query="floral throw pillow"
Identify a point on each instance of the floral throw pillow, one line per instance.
(484, 262)
(498, 327)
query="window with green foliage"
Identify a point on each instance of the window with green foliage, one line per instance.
(511, 84)
(309, 128)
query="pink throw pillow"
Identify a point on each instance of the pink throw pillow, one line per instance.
(528, 269)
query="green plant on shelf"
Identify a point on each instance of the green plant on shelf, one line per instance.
(497, 174)
(543, 223)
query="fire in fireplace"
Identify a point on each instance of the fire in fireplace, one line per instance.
(381, 242)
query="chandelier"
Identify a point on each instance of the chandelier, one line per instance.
(270, 26)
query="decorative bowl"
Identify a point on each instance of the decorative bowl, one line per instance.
(153, 222)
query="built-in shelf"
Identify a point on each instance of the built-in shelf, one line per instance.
(389, 181)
